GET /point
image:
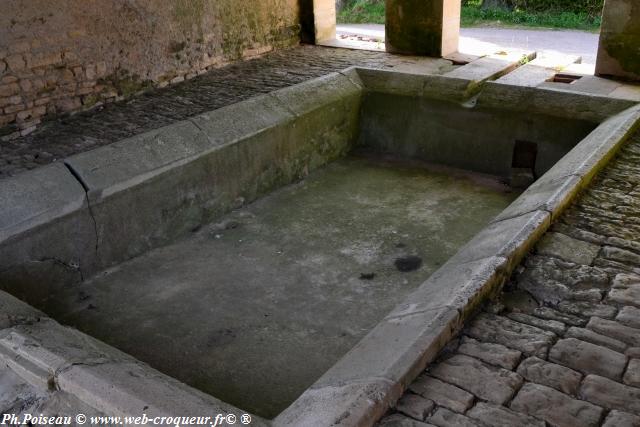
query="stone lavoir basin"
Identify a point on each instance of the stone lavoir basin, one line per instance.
(300, 256)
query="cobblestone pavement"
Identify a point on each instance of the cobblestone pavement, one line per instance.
(561, 346)
(223, 86)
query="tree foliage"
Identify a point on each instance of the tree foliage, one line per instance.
(591, 8)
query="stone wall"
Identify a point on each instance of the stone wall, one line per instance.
(70, 55)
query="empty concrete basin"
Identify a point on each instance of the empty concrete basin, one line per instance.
(256, 307)
(266, 253)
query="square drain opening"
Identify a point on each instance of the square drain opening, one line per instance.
(565, 78)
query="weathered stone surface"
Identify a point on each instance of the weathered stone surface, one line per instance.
(551, 314)
(632, 375)
(615, 267)
(595, 338)
(610, 394)
(587, 309)
(519, 301)
(567, 248)
(499, 416)
(19, 397)
(445, 418)
(443, 394)
(527, 339)
(37, 198)
(550, 374)
(496, 385)
(629, 316)
(552, 280)
(556, 408)
(621, 419)
(588, 358)
(494, 354)
(621, 255)
(398, 420)
(626, 290)
(342, 405)
(615, 330)
(550, 194)
(571, 104)
(510, 238)
(633, 352)
(13, 311)
(415, 406)
(548, 325)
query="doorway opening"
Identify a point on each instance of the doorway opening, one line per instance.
(350, 24)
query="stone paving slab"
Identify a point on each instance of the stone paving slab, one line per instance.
(572, 309)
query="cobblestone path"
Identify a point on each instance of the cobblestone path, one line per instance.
(562, 344)
(219, 87)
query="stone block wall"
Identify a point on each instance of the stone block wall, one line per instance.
(63, 56)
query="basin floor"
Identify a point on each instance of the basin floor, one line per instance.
(257, 307)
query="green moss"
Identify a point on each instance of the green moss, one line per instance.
(249, 24)
(90, 100)
(175, 47)
(126, 84)
(189, 12)
(624, 48)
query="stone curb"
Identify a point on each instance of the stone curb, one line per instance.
(570, 105)
(54, 357)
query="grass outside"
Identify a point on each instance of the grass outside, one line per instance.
(473, 15)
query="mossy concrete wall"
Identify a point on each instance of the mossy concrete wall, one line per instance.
(422, 27)
(619, 49)
(478, 139)
(68, 55)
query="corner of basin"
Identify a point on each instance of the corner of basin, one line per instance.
(353, 404)
(509, 238)
(551, 194)
(38, 197)
(306, 97)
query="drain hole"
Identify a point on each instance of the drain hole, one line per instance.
(524, 155)
(523, 164)
(564, 78)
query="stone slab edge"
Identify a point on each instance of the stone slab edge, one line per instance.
(51, 357)
(389, 82)
(559, 103)
(369, 379)
(491, 67)
(38, 197)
